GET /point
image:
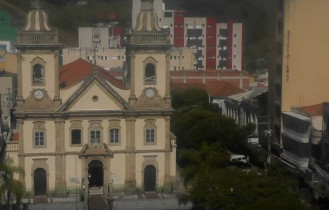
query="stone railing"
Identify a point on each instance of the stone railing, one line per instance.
(149, 39)
(12, 146)
(45, 38)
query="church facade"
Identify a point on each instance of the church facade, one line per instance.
(79, 126)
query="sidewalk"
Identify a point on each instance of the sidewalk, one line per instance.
(164, 202)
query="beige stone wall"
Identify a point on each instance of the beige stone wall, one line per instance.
(160, 72)
(155, 159)
(304, 66)
(49, 71)
(160, 134)
(66, 93)
(28, 142)
(105, 100)
(182, 59)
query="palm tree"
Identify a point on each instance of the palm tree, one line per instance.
(10, 189)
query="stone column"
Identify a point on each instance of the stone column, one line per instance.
(21, 158)
(130, 179)
(107, 175)
(57, 96)
(167, 178)
(60, 158)
(167, 69)
(132, 77)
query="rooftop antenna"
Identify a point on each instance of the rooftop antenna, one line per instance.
(95, 58)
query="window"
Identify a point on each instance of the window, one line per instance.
(114, 135)
(95, 135)
(150, 131)
(95, 131)
(150, 72)
(39, 138)
(76, 132)
(76, 136)
(39, 134)
(38, 74)
(149, 135)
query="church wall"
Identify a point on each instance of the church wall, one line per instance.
(27, 73)
(66, 93)
(118, 170)
(160, 134)
(34, 162)
(104, 101)
(85, 133)
(73, 171)
(123, 93)
(160, 75)
(28, 139)
(145, 159)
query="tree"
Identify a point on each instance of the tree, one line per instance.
(214, 184)
(10, 190)
(194, 125)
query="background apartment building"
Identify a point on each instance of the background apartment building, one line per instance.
(106, 36)
(217, 45)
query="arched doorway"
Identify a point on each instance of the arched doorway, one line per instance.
(149, 178)
(96, 173)
(40, 182)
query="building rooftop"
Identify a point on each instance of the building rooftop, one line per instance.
(214, 88)
(79, 70)
(313, 110)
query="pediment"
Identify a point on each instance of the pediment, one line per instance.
(100, 149)
(95, 95)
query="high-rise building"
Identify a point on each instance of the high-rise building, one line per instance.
(300, 77)
(217, 45)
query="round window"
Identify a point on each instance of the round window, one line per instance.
(95, 98)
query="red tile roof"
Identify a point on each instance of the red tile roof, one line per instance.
(314, 110)
(80, 69)
(15, 137)
(214, 88)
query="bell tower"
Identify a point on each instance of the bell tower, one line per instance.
(38, 62)
(148, 61)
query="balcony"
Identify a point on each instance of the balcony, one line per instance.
(37, 38)
(12, 146)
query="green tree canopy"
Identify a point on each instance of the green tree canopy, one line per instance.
(215, 185)
(11, 190)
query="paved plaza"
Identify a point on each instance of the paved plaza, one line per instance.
(164, 202)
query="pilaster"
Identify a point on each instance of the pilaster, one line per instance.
(130, 179)
(21, 158)
(60, 158)
(56, 97)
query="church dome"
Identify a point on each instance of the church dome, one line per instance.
(37, 18)
(147, 19)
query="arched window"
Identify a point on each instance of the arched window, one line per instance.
(38, 74)
(150, 72)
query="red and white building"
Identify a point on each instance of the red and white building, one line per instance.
(217, 45)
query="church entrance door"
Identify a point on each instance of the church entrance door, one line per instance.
(149, 178)
(96, 174)
(40, 182)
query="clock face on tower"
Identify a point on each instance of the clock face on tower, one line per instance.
(38, 94)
